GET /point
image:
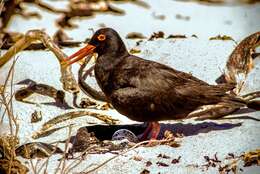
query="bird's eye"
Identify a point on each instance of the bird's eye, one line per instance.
(101, 37)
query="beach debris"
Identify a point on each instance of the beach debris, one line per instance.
(46, 132)
(145, 171)
(182, 17)
(8, 39)
(135, 35)
(194, 35)
(134, 51)
(158, 16)
(176, 160)
(163, 156)
(223, 2)
(125, 134)
(36, 116)
(47, 127)
(251, 158)
(75, 114)
(67, 77)
(84, 9)
(156, 35)
(222, 37)
(42, 89)
(82, 140)
(37, 150)
(8, 161)
(178, 36)
(240, 62)
(162, 164)
(12, 166)
(148, 163)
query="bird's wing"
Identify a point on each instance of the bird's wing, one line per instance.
(159, 79)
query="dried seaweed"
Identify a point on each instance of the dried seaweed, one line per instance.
(46, 132)
(176, 160)
(67, 78)
(156, 35)
(135, 35)
(181, 17)
(251, 158)
(178, 36)
(161, 164)
(223, 2)
(8, 39)
(37, 150)
(240, 62)
(8, 161)
(85, 8)
(145, 171)
(223, 37)
(13, 7)
(42, 89)
(134, 51)
(76, 114)
(158, 16)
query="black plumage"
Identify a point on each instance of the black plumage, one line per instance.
(145, 90)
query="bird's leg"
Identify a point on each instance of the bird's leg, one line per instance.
(153, 128)
(67, 78)
(146, 132)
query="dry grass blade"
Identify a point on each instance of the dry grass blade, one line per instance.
(62, 160)
(8, 104)
(75, 114)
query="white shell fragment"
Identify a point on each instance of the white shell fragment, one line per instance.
(125, 134)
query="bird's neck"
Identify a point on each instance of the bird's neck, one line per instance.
(104, 68)
(110, 60)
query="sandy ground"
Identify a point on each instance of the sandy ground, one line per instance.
(200, 56)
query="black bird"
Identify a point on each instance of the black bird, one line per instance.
(148, 91)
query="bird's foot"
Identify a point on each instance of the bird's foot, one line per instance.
(169, 139)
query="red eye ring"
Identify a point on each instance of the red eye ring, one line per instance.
(101, 37)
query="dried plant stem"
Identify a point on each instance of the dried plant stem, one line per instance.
(75, 114)
(62, 161)
(79, 158)
(132, 148)
(67, 78)
(8, 104)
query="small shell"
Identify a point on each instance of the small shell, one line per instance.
(125, 134)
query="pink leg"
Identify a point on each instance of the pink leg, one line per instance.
(146, 132)
(154, 128)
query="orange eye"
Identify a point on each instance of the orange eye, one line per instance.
(101, 37)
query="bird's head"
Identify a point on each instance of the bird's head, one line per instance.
(104, 41)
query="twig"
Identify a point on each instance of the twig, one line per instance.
(80, 158)
(132, 148)
(64, 154)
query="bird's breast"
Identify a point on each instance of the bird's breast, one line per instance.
(102, 77)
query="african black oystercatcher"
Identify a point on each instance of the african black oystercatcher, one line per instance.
(148, 91)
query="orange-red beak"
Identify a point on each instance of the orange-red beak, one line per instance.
(83, 52)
